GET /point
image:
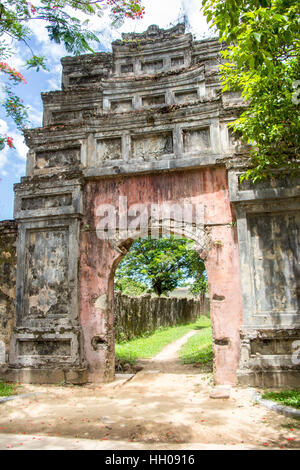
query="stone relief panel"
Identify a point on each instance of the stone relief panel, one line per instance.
(126, 68)
(109, 149)
(121, 106)
(153, 100)
(177, 61)
(271, 346)
(275, 262)
(85, 79)
(195, 140)
(152, 146)
(188, 96)
(46, 287)
(67, 116)
(44, 348)
(152, 66)
(46, 202)
(65, 157)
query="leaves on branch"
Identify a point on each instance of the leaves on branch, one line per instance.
(162, 265)
(263, 63)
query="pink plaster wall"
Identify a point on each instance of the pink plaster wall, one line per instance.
(99, 259)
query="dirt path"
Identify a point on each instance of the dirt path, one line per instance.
(165, 406)
(167, 360)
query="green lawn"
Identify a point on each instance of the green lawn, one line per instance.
(7, 389)
(284, 397)
(198, 349)
(147, 347)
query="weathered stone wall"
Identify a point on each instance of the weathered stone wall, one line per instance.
(8, 265)
(134, 316)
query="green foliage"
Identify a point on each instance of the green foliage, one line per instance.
(198, 348)
(37, 62)
(7, 389)
(15, 108)
(261, 60)
(150, 345)
(130, 286)
(284, 397)
(163, 264)
(63, 27)
(199, 286)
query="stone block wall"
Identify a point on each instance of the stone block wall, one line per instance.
(268, 222)
(8, 264)
(134, 316)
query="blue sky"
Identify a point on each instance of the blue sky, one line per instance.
(164, 13)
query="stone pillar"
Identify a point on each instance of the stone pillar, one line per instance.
(268, 221)
(46, 344)
(96, 287)
(223, 272)
(8, 264)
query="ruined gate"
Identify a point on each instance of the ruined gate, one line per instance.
(144, 126)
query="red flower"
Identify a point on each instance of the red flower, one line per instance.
(9, 141)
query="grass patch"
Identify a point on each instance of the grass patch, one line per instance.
(147, 347)
(7, 389)
(198, 348)
(284, 397)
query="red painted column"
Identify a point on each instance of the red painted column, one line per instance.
(223, 272)
(96, 307)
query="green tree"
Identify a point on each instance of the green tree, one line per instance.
(261, 59)
(63, 27)
(162, 265)
(129, 286)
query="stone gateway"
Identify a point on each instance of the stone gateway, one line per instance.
(148, 123)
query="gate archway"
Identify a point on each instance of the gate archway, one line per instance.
(147, 122)
(215, 238)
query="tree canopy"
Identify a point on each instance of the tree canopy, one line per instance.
(261, 50)
(64, 26)
(161, 265)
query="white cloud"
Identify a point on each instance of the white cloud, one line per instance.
(35, 115)
(3, 126)
(5, 150)
(54, 82)
(52, 51)
(166, 13)
(21, 53)
(3, 159)
(21, 148)
(39, 30)
(19, 169)
(9, 158)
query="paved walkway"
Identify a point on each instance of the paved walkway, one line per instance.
(165, 406)
(21, 442)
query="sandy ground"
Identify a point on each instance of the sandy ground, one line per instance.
(165, 406)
